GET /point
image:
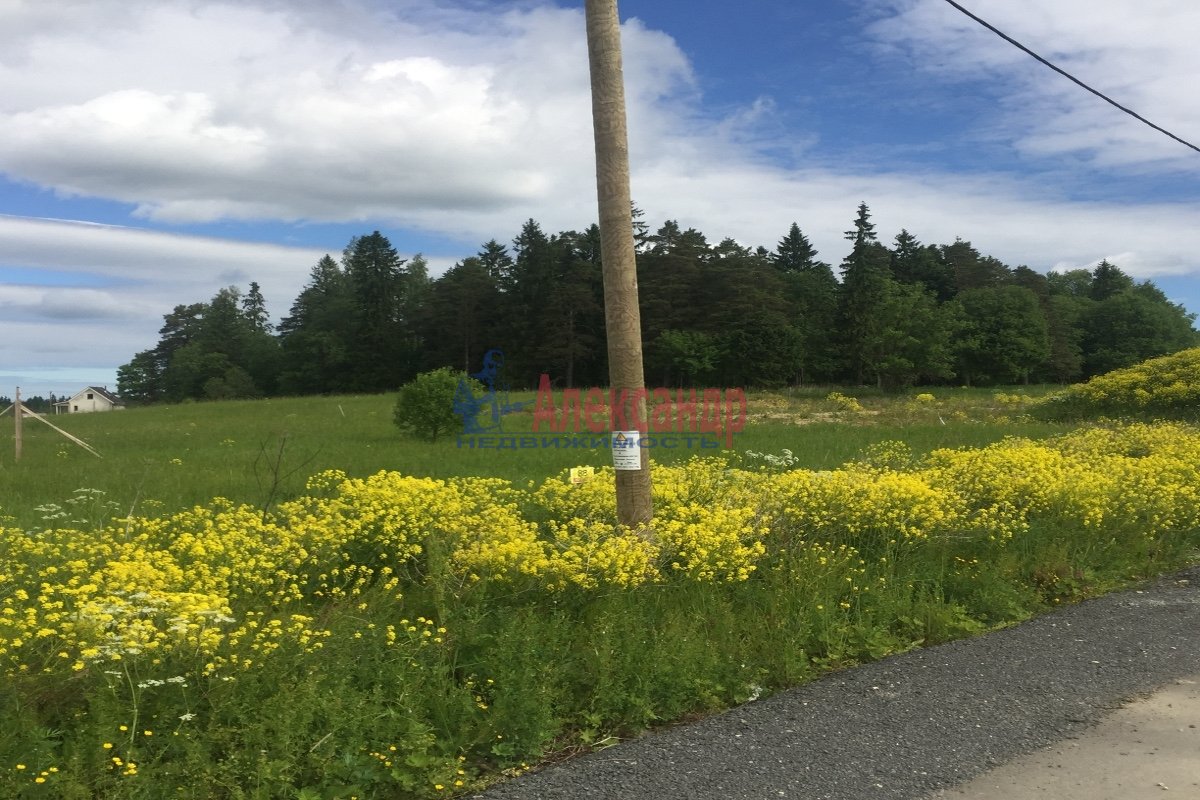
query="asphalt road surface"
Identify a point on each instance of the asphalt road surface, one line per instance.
(1100, 699)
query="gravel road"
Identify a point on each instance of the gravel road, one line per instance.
(912, 724)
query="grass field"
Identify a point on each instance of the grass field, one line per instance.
(164, 458)
(419, 620)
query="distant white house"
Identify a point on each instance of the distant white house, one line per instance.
(92, 398)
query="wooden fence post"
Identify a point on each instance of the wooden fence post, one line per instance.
(17, 417)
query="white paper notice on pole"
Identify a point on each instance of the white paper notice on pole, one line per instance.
(625, 450)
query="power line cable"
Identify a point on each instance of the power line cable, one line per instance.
(1071, 77)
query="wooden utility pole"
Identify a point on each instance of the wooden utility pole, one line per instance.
(622, 317)
(17, 424)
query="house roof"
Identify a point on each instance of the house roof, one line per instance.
(106, 394)
(100, 390)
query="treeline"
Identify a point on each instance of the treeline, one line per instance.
(36, 403)
(722, 314)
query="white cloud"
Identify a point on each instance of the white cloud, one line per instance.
(468, 120)
(107, 287)
(1141, 54)
(295, 122)
(133, 257)
(65, 303)
(1001, 217)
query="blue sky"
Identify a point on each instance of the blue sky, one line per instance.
(144, 165)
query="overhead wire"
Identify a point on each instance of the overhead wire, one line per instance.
(1071, 77)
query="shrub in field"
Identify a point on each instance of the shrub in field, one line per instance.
(395, 636)
(769, 460)
(843, 402)
(1168, 386)
(426, 405)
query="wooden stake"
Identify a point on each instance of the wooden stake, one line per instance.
(20, 411)
(17, 417)
(72, 437)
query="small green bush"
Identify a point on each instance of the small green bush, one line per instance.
(426, 405)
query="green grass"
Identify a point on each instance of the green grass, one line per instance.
(488, 676)
(164, 458)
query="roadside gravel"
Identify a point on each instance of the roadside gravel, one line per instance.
(911, 724)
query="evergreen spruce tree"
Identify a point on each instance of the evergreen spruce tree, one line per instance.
(812, 293)
(317, 335)
(496, 261)
(866, 281)
(913, 262)
(1108, 280)
(461, 323)
(376, 276)
(254, 308)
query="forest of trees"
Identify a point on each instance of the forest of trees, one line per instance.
(712, 314)
(37, 403)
